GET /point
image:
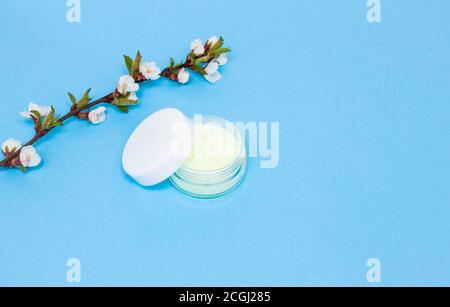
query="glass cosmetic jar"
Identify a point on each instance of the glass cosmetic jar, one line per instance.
(217, 162)
(204, 157)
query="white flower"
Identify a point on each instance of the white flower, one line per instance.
(132, 96)
(11, 145)
(150, 71)
(213, 78)
(212, 41)
(97, 116)
(183, 76)
(212, 72)
(29, 157)
(212, 68)
(197, 47)
(43, 110)
(222, 59)
(127, 84)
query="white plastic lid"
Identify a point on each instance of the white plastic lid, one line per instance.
(158, 147)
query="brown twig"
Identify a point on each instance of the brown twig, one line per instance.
(40, 134)
(169, 72)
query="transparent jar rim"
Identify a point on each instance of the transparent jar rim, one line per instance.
(239, 173)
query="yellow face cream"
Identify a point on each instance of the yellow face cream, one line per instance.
(213, 148)
(217, 162)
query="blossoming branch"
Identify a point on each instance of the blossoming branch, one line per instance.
(204, 59)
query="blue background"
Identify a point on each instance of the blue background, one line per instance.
(364, 145)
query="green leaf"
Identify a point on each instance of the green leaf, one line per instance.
(199, 69)
(72, 99)
(219, 51)
(218, 45)
(124, 101)
(127, 102)
(136, 63)
(124, 109)
(84, 100)
(203, 59)
(128, 62)
(56, 123)
(49, 119)
(38, 117)
(172, 63)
